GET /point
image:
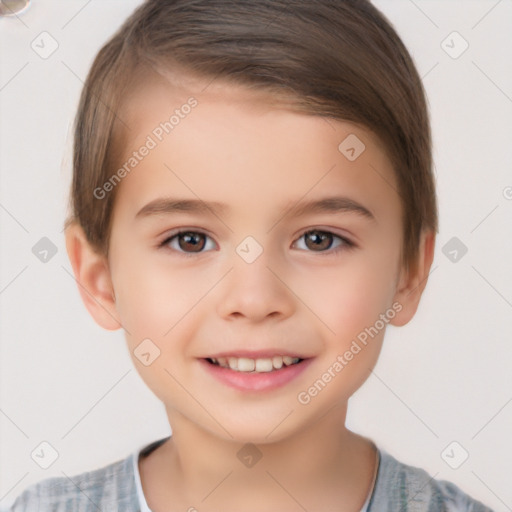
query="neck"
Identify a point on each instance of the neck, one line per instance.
(323, 460)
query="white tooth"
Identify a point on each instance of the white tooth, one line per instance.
(264, 365)
(287, 360)
(223, 362)
(213, 359)
(277, 362)
(245, 364)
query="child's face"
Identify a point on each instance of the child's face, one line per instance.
(303, 296)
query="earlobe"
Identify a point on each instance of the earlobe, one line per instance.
(411, 284)
(93, 278)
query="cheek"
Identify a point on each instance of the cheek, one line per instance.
(350, 297)
(148, 300)
(158, 300)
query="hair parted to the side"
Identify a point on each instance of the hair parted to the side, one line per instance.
(341, 59)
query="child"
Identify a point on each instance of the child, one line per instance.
(253, 203)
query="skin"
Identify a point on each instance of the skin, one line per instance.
(237, 148)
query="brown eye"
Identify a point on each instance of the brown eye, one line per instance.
(191, 241)
(188, 243)
(322, 241)
(318, 240)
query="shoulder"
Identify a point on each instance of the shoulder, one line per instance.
(109, 488)
(411, 489)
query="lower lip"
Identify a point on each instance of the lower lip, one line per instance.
(257, 381)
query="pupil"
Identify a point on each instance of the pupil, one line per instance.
(191, 241)
(320, 239)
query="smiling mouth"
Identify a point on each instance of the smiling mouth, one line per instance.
(260, 365)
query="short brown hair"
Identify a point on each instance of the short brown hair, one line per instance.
(336, 58)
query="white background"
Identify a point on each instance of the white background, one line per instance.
(446, 376)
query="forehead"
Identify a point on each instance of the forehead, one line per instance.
(226, 143)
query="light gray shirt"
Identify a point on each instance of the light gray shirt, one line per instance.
(117, 487)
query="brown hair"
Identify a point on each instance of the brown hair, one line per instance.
(336, 58)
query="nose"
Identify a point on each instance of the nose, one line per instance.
(255, 291)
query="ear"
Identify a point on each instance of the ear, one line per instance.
(412, 283)
(92, 275)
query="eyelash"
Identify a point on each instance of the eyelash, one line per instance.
(344, 246)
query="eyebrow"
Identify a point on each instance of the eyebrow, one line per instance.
(333, 205)
(169, 205)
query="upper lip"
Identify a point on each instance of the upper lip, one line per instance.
(256, 354)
